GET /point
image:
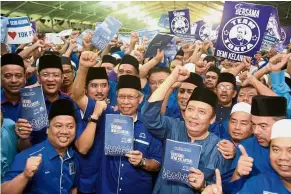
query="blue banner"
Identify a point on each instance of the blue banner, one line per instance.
(171, 49)
(204, 31)
(119, 134)
(105, 32)
(179, 22)
(285, 35)
(34, 108)
(273, 31)
(164, 21)
(241, 30)
(179, 158)
(4, 21)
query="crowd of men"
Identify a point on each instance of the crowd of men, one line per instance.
(239, 112)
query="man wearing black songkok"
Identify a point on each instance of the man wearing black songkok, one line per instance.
(226, 92)
(199, 114)
(109, 63)
(266, 110)
(12, 79)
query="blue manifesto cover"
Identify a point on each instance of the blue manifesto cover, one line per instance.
(179, 157)
(34, 108)
(119, 134)
(160, 41)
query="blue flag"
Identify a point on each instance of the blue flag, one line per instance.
(179, 22)
(119, 134)
(164, 21)
(241, 30)
(285, 35)
(4, 21)
(273, 31)
(179, 158)
(160, 41)
(105, 32)
(33, 107)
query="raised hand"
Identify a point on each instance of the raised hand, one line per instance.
(214, 188)
(87, 41)
(160, 55)
(134, 38)
(88, 59)
(245, 163)
(277, 62)
(180, 74)
(100, 106)
(32, 165)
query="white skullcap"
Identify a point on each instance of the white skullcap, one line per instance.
(190, 67)
(281, 128)
(241, 107)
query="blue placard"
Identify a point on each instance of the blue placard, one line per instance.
(105, 32)
(164, 21)
(171, 49)
(4, 21)
(119, 134)
(34, 108)
(273, 31)
(179, 158)
(205, 31)
(285, 35)
(160, 41)
(179, 22)
(241, 30)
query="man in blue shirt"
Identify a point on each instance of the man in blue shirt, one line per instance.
(277, 181)
(199, 114)
(117, 174)
(12, 79)
(50, 76)
(266, 110)
(51, 166)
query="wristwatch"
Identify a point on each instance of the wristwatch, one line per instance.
(91, 119)
(142, 162)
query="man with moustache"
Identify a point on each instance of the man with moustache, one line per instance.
(211, 78)
(266, 110)
(12, 79)
(50, 166)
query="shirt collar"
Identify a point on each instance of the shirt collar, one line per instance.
(52, 153)
(61, 96)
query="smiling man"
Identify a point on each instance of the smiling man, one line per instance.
(279, 181)
(199, 114)
(51, 166)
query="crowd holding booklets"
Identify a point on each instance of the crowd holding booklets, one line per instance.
(205, 108)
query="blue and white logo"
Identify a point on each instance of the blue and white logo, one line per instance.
(272, 26)
(283, 35)
(205, 31)
(240, 34)
(180, 25)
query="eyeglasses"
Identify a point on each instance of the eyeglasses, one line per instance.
(223, 87)
(129, 97)
(54, 75)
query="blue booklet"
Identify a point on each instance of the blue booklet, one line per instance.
(160, 41)
(4, 21)
(119, 134)
(178, 158)
(105, 32)
(171, 49)
(34, 108)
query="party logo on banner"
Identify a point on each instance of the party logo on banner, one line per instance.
(205, 31)
(19, 31)
(179, 21)
(285, 35)
(241, 30)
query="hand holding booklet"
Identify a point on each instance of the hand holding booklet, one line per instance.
(179, 158)
(119, 134)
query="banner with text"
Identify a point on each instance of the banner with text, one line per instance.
(19, 31)
(179, 22)
(241, 30)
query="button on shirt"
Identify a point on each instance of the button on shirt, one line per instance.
(9, 110)
(55, 174)
(116, 174)
(222, 113)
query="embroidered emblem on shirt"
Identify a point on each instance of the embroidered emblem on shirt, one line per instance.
(268, 192)
(142, 135)
(72, 168)
(47, 172)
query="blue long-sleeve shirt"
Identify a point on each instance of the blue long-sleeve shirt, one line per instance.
(280, 87)
(164, 127)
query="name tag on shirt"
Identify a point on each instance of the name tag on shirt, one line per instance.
(72, 168)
